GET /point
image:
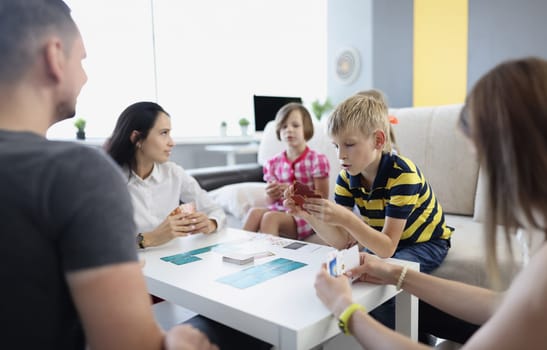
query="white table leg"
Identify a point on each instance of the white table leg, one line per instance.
(406, 314)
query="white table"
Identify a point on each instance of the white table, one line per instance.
(233, 150)
(283, 311)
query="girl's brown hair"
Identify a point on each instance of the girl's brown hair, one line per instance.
(505, 115)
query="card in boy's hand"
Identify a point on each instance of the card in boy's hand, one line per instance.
(341, 261)
(187, 208)
(301, 192)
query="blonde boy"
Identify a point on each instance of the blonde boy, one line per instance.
(400, 216)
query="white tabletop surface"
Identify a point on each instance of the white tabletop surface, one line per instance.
(283, 311)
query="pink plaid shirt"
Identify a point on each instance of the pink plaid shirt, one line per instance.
(309, 165)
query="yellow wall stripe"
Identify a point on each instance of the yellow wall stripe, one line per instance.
(440, 51)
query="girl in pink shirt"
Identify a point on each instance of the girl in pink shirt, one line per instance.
(297, 163)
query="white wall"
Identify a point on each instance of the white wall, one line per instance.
(119, 62)
(211, 55)
(349, 25)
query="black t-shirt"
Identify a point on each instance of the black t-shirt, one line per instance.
(63, 207)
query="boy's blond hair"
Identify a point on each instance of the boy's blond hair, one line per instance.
(379, 95)
(360, 112)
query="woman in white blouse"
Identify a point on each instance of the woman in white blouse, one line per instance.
(141, 144)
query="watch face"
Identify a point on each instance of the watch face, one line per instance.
(140, 240)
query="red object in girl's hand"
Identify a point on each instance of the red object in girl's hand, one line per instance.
(301, 192)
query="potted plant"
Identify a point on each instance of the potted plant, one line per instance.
(80, 125)
(244, 124)
(223, 127)
(319, 108)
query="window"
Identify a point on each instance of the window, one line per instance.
(201, 60)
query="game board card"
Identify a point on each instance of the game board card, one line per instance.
(294, 245)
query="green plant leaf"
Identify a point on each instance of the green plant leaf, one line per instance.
(319, 108)
(244, 122)
(80, 124)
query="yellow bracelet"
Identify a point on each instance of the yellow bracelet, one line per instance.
(401, 278)
(343, 321)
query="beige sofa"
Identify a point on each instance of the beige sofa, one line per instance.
(430, 137)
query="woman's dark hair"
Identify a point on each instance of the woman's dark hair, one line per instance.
(141, 117)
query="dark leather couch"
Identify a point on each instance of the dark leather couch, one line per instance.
(214, 177)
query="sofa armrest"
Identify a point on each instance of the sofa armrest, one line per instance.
(214, 177)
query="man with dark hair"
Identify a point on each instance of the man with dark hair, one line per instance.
(69, 270)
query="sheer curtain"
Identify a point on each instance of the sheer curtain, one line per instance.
(201, 60)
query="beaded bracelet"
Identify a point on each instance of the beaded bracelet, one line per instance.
(401, 278)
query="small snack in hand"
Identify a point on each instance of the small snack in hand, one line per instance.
(186, 208)
(300, 192)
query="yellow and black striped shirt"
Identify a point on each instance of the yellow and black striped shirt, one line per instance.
(399, 191)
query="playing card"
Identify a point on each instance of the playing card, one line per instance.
(186, 208)
(341, 261)
(301, 192)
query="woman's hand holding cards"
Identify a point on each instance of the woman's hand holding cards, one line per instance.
(334, 292)
(375, 270)
(198, 222)
(182, 221)
(188, 221)
(170, 228)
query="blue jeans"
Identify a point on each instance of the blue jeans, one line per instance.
(429, 254)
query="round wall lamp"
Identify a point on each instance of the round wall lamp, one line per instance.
(348, 65)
